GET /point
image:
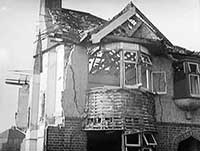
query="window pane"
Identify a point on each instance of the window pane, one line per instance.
(144, 77)
(194, 84)
(104, 68)
(145, 59)
(130, 56)
(193, 68)
(159, 82)
(149, 138)
(108, 61)
(130, 74)
(132, 139)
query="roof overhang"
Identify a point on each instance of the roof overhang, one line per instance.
(96, 38)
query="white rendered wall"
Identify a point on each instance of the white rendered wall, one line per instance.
(59, 83)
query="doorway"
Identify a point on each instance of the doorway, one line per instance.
(190, 144)
(104, 141)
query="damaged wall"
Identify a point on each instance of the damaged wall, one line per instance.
(76, 80)
(166, 110)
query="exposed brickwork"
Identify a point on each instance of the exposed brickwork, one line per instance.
(68, 138)
(131, 109)
(171, 134)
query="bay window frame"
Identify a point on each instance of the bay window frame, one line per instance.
(197, 74)
(140, 60)
(138, 68)
(124, 68)
(198, 77)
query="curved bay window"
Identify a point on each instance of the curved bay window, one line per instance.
(126, 65)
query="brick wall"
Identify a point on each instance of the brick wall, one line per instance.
(171, 134)
(68, 138)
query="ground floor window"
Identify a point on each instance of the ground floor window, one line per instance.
(149, 139)
(140, 142)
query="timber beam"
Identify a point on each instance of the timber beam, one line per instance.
(132, 40)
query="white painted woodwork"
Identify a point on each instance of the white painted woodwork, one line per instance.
(59, 84)
(113, 25)
(51, 85)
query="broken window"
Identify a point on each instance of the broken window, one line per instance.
(104, 68)
(130, 66)
(146, 59)
(117, 67)
(145, 71)
(136, 71)
(159, 82)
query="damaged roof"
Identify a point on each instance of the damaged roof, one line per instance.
(74, 24)
(183, 51)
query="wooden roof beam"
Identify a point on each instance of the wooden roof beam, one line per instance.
(96, 38)
(132, 40)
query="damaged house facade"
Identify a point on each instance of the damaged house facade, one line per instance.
(110, 85)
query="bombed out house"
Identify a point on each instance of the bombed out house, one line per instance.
(117, 85)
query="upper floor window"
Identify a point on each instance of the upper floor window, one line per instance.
(128, 68)
(194, 78)
(136, 69)
(159, 82)
(186, 79)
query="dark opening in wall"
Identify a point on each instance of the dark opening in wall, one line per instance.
(190, 144)
(104, 141)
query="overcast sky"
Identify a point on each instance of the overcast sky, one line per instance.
(178, 20)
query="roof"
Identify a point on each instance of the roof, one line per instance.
(183, 51)
(133, 13)
(74, 24)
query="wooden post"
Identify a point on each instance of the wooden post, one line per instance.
(122, 73)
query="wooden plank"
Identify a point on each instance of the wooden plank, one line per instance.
(132, 40)
(113, 25)
(121, 69)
